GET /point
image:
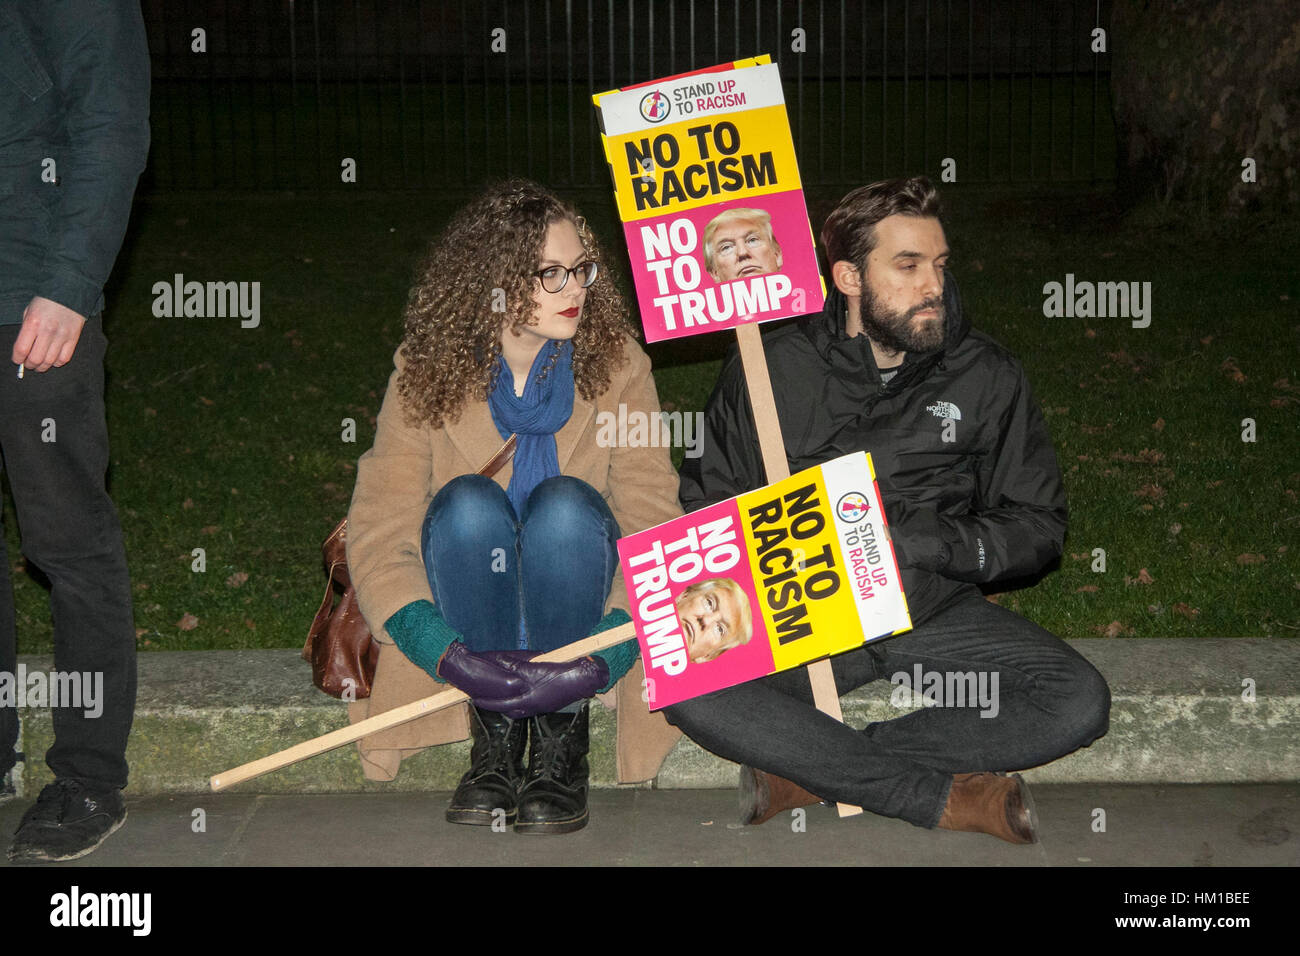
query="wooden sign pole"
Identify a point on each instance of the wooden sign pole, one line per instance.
(402, 715)
(777, 466)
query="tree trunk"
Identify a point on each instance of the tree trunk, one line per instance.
(1199, 88)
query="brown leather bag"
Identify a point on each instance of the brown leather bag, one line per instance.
(342, 651)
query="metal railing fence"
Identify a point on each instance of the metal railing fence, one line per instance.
(422, 94)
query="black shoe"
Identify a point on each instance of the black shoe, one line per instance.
(496, 767)
(68, 821)
(554, 795)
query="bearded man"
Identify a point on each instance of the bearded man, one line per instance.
(973, 495)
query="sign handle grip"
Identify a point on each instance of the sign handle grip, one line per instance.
(777, 467)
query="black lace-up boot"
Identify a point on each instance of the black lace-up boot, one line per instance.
(495, 770)
(554, 796)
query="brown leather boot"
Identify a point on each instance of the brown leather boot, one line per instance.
(764, 795)
(991, 803)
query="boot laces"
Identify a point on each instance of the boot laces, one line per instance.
(498, 757)
(550, 755)
(55, 800)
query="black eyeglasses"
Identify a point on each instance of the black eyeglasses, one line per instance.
(554, 278)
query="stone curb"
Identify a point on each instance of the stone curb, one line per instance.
(1178, 715)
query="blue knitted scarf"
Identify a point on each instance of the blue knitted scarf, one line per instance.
(535, 417)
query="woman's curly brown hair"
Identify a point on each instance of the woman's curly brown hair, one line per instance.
(453, 334)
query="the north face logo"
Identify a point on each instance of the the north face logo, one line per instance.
(945, 410)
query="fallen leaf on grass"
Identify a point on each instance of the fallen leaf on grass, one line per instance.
(236, 579)
(1183, 609)
(1087, 588)
(1115, 629)
(188, 623)
(1147, 456)
(1154, 492)
(1249, 558)
(210, 529)
(1158, 425)
(1230, 366)
(1143, 577)
(206, 401)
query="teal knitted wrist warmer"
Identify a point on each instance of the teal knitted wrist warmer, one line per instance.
(420, 633)
(619, 658)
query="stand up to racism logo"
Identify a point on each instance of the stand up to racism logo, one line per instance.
(655, 107)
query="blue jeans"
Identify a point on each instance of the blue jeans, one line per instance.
(504, 582)
(1050, 701)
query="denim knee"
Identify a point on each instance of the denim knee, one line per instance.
(1094, 705)
(563, 506)
(464, 508)
(1086, 712)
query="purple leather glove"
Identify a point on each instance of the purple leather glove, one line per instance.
(478, 675)
(546, 687)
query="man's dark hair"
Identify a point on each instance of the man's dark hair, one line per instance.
(850, 229)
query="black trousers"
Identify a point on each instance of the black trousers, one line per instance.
(1013, 696)
(69, 529)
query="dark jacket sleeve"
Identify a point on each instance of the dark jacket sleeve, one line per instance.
(100, 66)
(1018, 525)
(729, 462)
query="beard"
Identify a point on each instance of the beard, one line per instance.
(896, 331)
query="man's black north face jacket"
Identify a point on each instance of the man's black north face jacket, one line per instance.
(986, 505)
(74, 106)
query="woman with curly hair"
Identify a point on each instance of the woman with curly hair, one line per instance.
(513, 328)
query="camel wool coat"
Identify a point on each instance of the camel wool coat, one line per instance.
(396, 481)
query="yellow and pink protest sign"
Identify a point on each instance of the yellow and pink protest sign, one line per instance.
(763, 582)
(708, 189)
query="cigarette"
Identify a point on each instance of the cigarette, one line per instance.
(21, 366)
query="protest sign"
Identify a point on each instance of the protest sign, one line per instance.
(763, 582)
(699, 199)
(708, 189)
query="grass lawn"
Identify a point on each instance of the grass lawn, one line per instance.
(230, 439)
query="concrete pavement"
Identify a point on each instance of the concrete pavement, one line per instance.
(1208, 825)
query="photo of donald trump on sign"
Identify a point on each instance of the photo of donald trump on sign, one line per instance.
(715, 616)
(739, 243)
